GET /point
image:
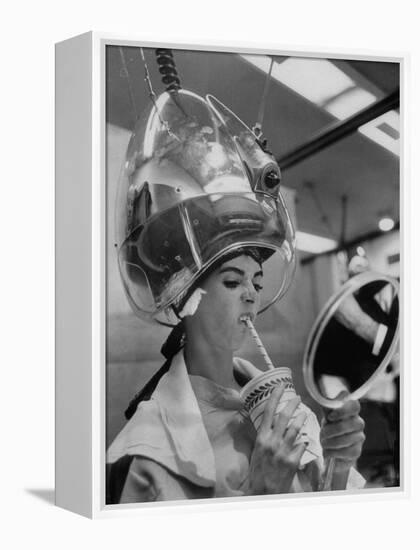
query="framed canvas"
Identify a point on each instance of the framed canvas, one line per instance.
(210, 200)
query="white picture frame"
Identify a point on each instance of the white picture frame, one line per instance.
(81, 276)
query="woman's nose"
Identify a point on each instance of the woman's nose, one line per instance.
(249, 293)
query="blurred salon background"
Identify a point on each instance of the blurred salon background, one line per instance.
(334, 127)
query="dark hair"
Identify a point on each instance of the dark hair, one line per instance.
(174, 342)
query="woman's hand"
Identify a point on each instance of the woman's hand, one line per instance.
(276, 455)
(342, 436)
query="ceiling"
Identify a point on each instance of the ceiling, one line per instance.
(356, 167)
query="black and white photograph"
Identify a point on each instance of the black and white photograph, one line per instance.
(210, 275)
(252, 274)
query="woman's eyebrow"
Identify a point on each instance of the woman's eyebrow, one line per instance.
(234, 269)
(238, 271)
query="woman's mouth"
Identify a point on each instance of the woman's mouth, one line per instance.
(246, 316)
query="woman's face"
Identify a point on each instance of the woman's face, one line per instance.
(232, 291)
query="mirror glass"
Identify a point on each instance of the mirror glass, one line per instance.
(353, 339)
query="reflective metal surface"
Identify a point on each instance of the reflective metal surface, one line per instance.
(196, 185)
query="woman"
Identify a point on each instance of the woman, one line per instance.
(202, 219)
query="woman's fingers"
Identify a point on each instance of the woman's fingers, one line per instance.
(350, 408)
(342, 434)
(343, 441)
(284, 416)
(297, 452)
(294, 428)
(342, 427)
(271, 406)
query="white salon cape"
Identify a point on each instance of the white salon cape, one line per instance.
(192, 440)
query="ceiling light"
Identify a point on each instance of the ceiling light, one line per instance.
(350, 102)
(385, 130)
(316, 79)
(307, 242)
(386, 224)
(323, 83)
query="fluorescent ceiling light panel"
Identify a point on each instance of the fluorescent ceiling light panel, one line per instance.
(350, 102)
(316, 79)
(327, 86)
(306, 242)
(376, 131)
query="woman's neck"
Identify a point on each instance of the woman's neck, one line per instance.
(203, 358)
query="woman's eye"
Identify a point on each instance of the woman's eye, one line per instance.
(235, 284)
(231, 284)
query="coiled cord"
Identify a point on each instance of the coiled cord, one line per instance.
(167, 69)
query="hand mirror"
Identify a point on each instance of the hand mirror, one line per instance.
(353, 339)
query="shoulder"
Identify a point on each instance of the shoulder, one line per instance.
(158, 430)
(131, 440)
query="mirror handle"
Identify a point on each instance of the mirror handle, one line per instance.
(329, 471)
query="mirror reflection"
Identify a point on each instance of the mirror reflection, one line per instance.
(356, 339)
